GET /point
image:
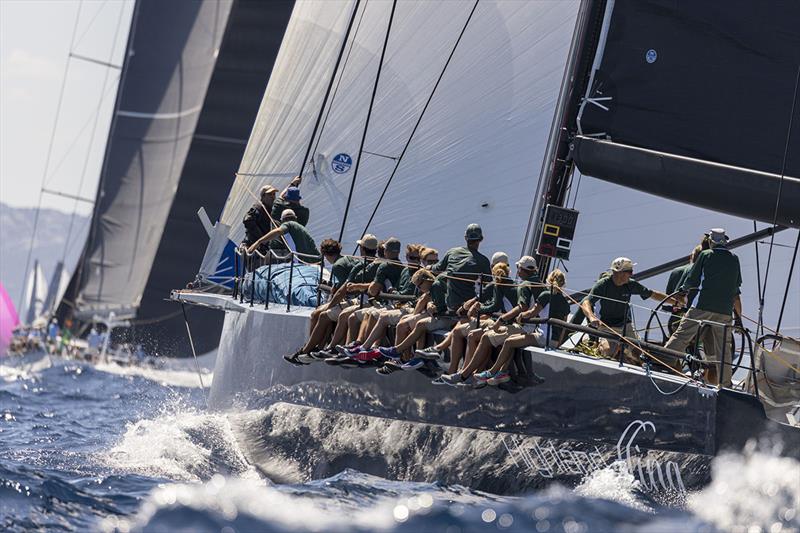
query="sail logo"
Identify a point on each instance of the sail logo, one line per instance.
(341, 163)
(651, 56)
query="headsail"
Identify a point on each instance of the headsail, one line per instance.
(171, 52)
(476, 153)
(35, 294)
(698, 102)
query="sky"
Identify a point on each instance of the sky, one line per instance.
(35, 45)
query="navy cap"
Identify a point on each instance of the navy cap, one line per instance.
(293, 194)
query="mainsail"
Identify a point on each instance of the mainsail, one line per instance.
(698, 102)
(474, 156)
(247, 53)
(171, 52)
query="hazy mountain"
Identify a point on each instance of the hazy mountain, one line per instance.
(16, 227)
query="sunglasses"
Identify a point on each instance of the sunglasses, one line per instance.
(412, 257)
(431, 261)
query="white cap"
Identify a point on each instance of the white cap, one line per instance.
(622, 264)
(527, 262)
(499, 257)
(288, 213)
(717, 236)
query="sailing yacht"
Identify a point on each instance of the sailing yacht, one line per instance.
(415, 119)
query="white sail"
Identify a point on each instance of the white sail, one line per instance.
(478, 149)
(35, 294)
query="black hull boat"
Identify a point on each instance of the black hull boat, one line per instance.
(570, 416)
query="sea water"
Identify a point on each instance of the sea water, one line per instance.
(110, 448)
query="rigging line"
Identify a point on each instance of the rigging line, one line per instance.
(89, 25)
(366, 123)
(330, 86)
(91, 138)
(788, 282)
(777, 204)
(758, 263)
(419, 120)
(339, 82)
(50, 146)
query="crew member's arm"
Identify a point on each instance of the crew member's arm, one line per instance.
(678, 299)
(266, 238)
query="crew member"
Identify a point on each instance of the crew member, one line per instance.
(257, 222)
(296, 236)
(614, 293)
(717, 274)
(290, 199)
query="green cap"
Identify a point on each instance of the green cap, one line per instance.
(473, 233)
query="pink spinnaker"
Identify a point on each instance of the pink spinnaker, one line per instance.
(8, 319)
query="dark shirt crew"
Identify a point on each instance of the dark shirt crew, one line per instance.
(719, 277)
(464, 263)
(559, 309)
(256, 224)
(614, 308)
(303, 242)
(300, 211)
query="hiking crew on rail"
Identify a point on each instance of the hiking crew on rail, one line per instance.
(381, 312)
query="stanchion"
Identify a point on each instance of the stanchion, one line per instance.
(480, 300)
(319, 281)
(235, 274)
(291, 277)
(269, 280)
(245, 267)
(252, 279)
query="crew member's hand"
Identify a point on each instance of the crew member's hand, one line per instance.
(594, 322)
(431, 308)
(461, 311)
(296, 181)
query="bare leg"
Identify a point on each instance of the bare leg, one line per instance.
(405, 326)
(420, 328)
(377, 333)
(341, 329)
(317, 334)
(353, 325)
(366, 326)
(473, 338)
(507, 351)
(314, 318)
(479, 359)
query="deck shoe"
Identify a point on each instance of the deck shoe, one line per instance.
(388, 368)
(428, 353)
(347, 349)
(452, 379)
(306, 358)
(501, 376)
(414, 363)
(467, 382)
(390, 352)
(294, 359)
(440, 381)
(367, 356)
(483, 377)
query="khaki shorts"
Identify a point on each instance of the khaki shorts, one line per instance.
(466, 327)
(440, 323)
(393, 316)
(333, 313)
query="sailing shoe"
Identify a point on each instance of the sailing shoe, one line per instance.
(483, 377)
(347, 349)
(390, 353)
(414, 363)
(388, 368)
(501, 376)
(293, 358)
(367, 356)
(322, 354)
(428, 353)
(467, 382)
(440, 381)
(306, 358)
(452, 379)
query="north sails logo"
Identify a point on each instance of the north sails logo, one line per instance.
(341, 163)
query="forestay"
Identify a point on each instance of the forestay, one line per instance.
(477, 152)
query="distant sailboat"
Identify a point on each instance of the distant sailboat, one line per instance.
(8, 319)
(35, 295)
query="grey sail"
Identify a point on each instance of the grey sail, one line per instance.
(54, 287)
(171, 52)
(698, 102)
(250, 44)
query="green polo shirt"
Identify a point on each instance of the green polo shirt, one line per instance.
(281, 205)
(529, 290)
(718, 275)
(405, 287)
(559, 309)
(361, 275)
(613, 298)
(462, 263)
(388, 275)
(675, 277)
(503, 297)
(341, 269)
(302, 239)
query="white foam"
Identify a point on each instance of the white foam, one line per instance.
(164, 377)
(755, 491)
(614, 483)
(181, 446)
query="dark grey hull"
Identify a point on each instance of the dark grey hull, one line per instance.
(575, 416)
